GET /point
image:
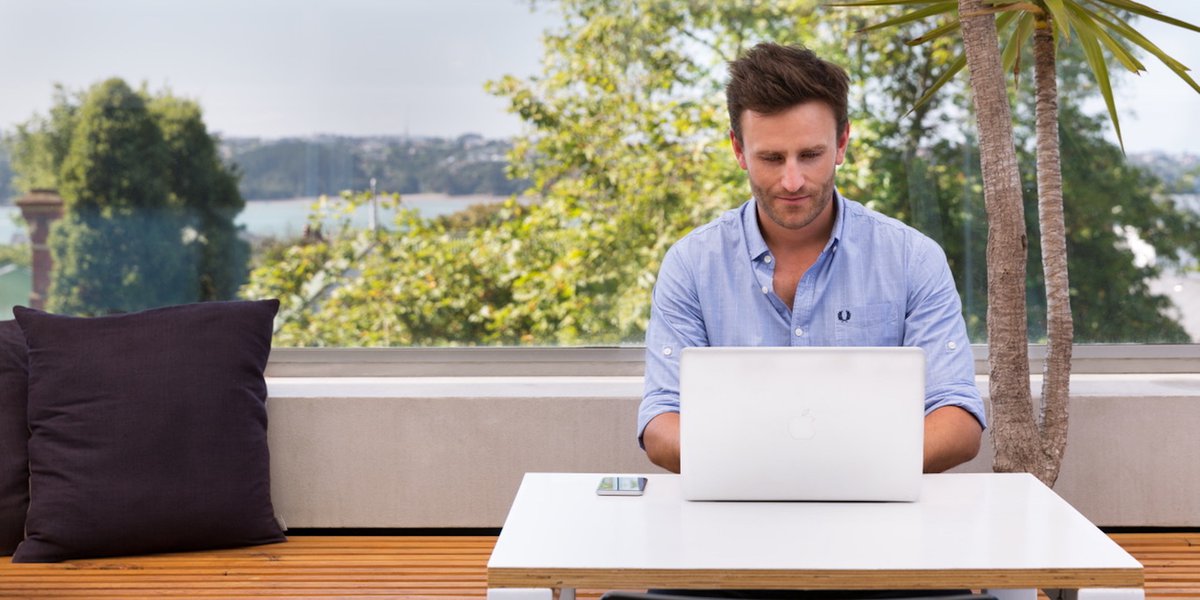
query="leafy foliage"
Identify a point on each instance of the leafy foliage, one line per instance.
(149, 207)
(15, 254)
(627, 151)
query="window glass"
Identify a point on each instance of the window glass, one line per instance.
(484, 173)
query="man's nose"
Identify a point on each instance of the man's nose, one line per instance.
(793, 178)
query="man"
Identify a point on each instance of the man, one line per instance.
(799, 265)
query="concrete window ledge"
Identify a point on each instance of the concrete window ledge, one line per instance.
(1124, 385)
(420, 451)
(455, 387)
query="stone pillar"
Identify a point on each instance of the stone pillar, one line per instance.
(40, 208)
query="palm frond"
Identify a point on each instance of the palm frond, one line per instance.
(1011, 58)
(1022, 5)
(1087, 21)
(1150, 13)
(947, 6)
(1095, 59)
(955, 67)
(1125, 30)
(1060, 17)
(842, 3)
(936, 32)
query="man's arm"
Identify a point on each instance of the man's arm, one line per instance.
(954, 417)
(676, 322)
(661, 438)
(952, 437)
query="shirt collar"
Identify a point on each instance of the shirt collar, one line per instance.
(756, 246)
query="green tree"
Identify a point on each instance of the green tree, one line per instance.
(1025, 442)
(149, 208)
(39, 145)
(627, 150)
(117, 248)
(208, 193)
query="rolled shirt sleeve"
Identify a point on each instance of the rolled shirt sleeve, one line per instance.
(933, 322)
(676, 323)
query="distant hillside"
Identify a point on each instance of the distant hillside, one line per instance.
(469, 164)
(1180, 173)
(304, 167)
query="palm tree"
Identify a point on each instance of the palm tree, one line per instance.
(1023, 443)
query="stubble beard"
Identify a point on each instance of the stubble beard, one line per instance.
(794, 219)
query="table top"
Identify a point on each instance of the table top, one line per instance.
(977, 530)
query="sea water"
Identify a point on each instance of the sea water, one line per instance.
(285, 219)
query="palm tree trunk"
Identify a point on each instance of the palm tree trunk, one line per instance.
(1012, 426)
(1056, 374)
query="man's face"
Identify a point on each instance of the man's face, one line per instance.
(790, 158)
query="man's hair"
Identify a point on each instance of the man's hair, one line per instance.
(771, 78)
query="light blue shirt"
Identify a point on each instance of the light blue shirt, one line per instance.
(878, 282)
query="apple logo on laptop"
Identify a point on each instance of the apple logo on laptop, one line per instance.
(801, 427)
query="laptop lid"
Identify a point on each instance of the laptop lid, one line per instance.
(823, 423)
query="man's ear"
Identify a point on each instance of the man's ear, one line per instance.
(737, 150)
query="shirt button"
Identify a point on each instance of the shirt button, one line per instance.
(765, 290)
(767, 259)
(666, 351)
(951, 345)
(799, 332)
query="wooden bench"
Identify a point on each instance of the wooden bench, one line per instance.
(431, 567)
(303, 567)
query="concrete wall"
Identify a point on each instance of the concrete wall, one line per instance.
(1133, 450)
(450, 452)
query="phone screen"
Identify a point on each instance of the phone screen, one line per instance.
(621, 486)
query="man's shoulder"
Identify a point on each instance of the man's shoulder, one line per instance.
(863, 222)
(724, 228)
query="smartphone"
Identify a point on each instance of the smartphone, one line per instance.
(621, 486)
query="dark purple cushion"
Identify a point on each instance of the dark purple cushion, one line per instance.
(148, 431)
(14, 435)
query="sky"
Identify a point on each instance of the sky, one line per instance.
(276, 68)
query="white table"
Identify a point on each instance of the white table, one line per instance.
(1007, 533)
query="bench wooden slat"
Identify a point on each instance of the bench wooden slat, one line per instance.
(420, 567)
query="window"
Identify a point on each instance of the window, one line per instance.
(431, 174)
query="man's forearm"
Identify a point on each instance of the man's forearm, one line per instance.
(661, 438)
(952, 437)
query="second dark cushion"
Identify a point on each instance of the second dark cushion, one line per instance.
(14, 434)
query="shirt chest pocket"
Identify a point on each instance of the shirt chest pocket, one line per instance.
(868, 325)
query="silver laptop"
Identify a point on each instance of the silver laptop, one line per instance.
(825, 424)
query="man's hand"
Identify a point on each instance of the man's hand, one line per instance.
(661, 438)
(952, 437)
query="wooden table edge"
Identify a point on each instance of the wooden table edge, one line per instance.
(865, 579)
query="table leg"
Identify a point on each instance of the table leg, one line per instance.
(521, 594)
(1018, 594)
